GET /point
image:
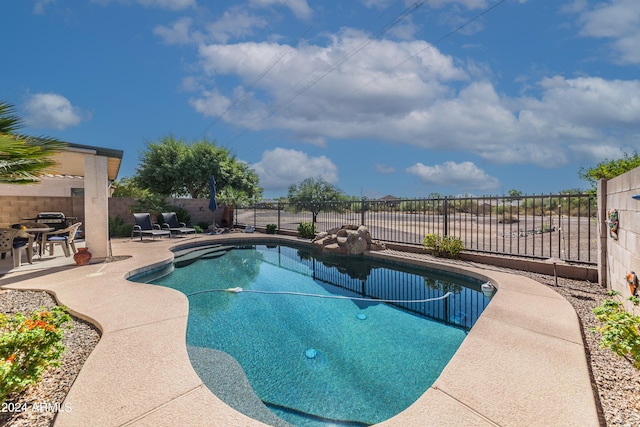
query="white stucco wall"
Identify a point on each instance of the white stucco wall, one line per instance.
(52, 186)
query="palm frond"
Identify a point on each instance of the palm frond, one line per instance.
(9, 122)
(22, 158)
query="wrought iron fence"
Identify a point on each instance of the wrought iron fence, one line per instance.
(563, 226)
(373, 278)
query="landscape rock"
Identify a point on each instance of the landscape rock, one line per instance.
(349, 239)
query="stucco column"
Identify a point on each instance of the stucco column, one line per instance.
(96, 206)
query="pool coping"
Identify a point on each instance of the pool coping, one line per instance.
(523, 363)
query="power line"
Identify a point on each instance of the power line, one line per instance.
(277, 107)
(430, 46)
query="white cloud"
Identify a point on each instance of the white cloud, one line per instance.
(465, 175)
(169, 4)
(280, 167)
(300, 8)
(410, 93)
(235, 23)
(50, 110)
(38, 8)
(306, 93)
(618, 21)
(162, 4)
(177, 33)
(384, 169)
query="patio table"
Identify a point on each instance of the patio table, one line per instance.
(36, 235)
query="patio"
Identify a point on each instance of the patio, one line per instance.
(523, 363)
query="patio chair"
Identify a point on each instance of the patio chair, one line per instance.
(144, 227)
(15, 241)
(171, 223)
(64, 237)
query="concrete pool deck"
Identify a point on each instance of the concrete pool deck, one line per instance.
(522, 364)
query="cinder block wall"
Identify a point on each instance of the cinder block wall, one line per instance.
(14, 209)
(622, 255)
(121, 207)
(197, 208)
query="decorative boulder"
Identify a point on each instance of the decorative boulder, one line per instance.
(348, 239)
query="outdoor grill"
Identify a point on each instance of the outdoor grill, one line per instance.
(56, 220)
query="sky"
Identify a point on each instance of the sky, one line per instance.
(378, 97)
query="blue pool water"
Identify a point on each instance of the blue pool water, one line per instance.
(320, 361)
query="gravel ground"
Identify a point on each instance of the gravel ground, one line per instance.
(616, 383)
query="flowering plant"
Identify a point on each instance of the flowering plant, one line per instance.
(29, 345)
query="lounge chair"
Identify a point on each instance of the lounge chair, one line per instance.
(15, 241)
(64, 237)
(171, 223)
(144, 227)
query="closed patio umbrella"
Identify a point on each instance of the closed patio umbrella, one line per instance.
(213, 205)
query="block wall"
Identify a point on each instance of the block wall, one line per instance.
(14, 209)
(622, 255)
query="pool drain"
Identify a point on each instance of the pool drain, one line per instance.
(361, 316)
(311, 353)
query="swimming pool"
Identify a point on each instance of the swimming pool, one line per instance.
(323, 361)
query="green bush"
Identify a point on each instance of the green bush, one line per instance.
(307, 230)
(117, 227)
(271, 228)
(447, 246)
(203, 225)
(620, 329)
(28, 346)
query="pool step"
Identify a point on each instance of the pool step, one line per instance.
(188, 256)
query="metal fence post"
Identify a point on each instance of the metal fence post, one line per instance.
(278, 214)
(362, 209)
(445, 213)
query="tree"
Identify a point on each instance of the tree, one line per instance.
(127, 187)
(608, 169)
(173, 167)
(23, 158)
(313, 194)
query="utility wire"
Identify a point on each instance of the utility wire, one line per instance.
(430, 46)
(395, 21)
(260, 77)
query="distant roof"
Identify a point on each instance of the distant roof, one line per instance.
(389, 197)
(71, 161)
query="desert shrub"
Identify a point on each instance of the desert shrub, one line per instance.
(447, 246)
(271, 228)
(203, 225)
(28, 346)
(117, 227)
(307, 230)
(508, 218)
(620, 330)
